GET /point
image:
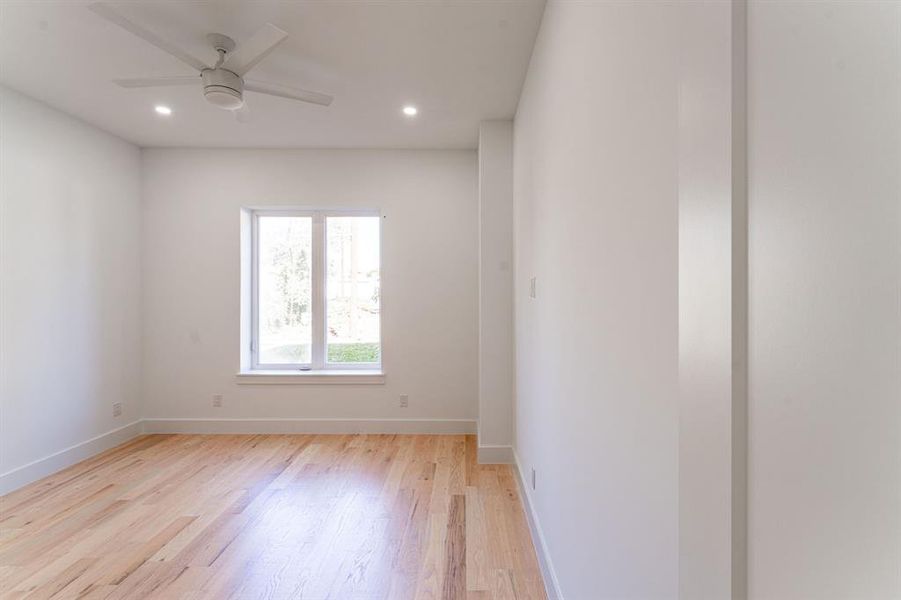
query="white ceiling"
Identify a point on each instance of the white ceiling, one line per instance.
(458, 61)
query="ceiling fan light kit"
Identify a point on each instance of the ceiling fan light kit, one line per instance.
(223, 88)
(223, 83)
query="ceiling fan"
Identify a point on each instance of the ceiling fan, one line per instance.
(223, 82)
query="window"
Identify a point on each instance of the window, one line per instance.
(315, 290)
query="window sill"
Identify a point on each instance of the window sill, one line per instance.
(341, 377)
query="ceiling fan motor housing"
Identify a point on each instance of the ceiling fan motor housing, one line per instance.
(223, 88)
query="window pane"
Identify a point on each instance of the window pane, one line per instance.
(352, 289)
(285, 287)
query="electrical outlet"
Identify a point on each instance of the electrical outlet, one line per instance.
(532, 288)
(533, 479)
(117, 409)
(404, 401)
(217, 400)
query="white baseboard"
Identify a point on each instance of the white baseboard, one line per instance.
(551, 584)
(38, 469)
(490, 454)
(450, 426)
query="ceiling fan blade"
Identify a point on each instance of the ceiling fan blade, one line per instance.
(107, 12)
(255, 49)
(142, 82)
(283, 91)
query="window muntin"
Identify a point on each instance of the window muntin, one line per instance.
(316, 290)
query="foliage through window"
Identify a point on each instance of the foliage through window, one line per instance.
(316, 290)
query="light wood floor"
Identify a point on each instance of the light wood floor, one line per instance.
(272, 516)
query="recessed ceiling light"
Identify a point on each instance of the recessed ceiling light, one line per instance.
(163, 110)
(410, 111)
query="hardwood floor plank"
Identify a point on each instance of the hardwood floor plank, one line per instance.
(477, 578)
(210, 517)
(455, 550)
(431, 580)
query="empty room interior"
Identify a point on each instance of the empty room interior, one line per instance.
(450, 299)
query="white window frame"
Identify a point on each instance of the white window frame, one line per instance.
(319, 295)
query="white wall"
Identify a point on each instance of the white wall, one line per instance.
(596, 199)
(495, 290)
(602, 151)
(712, 300)
(192, 201)
(824, 124)
(70, 297)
